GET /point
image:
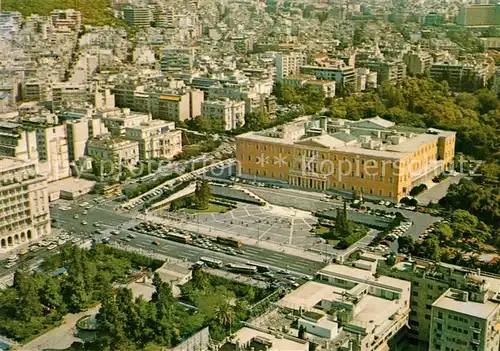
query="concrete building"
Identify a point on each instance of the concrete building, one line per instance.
(177, 59)
(34, 90)
(372, 156)
(344, 76)
(79, 131)
(70, 18)
(461, 324)
(53, 155)
(231, 112)
(157, 139)
(118, 120)
(24, 205)
(168, 104)
(120, 152)
(417, 62)
(137, 16)
(45, 144)
(351, 309)
(479, 15)
(289, 64)
(392, 71)
(463, 76)
(68, 93)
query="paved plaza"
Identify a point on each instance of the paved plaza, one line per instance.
(270, 223)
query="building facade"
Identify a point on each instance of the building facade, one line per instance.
(24, 203)
(120, 152)
(157, 139)
(289, 64)
(453, 307)
(231, 112)
(373, 156)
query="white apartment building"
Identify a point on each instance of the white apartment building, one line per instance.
(230, 111)
(460, 323)
(53, 154)
(79, 131)
(289, 64)
(117, 150)
(163, 103)
(24, 203)
(157, 139)
(45, 144)
(117, 121)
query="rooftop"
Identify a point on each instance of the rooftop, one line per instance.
(245, 336)
(451, 301)
(11, 162)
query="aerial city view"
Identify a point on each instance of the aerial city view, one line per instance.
(250, 175)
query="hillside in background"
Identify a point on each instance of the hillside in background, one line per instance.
(95, 12)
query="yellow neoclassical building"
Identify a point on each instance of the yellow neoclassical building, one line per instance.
(373, 157)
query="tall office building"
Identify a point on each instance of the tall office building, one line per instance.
(24, 203)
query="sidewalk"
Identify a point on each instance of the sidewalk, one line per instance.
(203, 229)
(61, 337)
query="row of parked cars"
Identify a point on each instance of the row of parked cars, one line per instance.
(49, 244)
(394, 235)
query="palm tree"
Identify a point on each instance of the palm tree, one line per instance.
(224, 315)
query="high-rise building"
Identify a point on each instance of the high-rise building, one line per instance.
(24, 205)
(137, 16)
(289, 64)
(463, 76)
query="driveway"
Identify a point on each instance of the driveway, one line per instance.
(438, 191)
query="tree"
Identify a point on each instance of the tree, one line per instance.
(444, 232)
(406, 244)
(110, 327)
(463, 223)
(51, 295)
(29, 302)
(429, 248)
(202, 195)
(343, 227)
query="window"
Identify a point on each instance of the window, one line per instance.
(428, 307)
(440, 315)
(414, 293)
(427, 316)
(429, 286)
(429, 297)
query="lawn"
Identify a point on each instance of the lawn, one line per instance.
(210, 209)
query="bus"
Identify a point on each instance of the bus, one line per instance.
(147, 178)
(241, 268)
(180, 238)
(229, 241)
(212, 262)
(261, 268)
